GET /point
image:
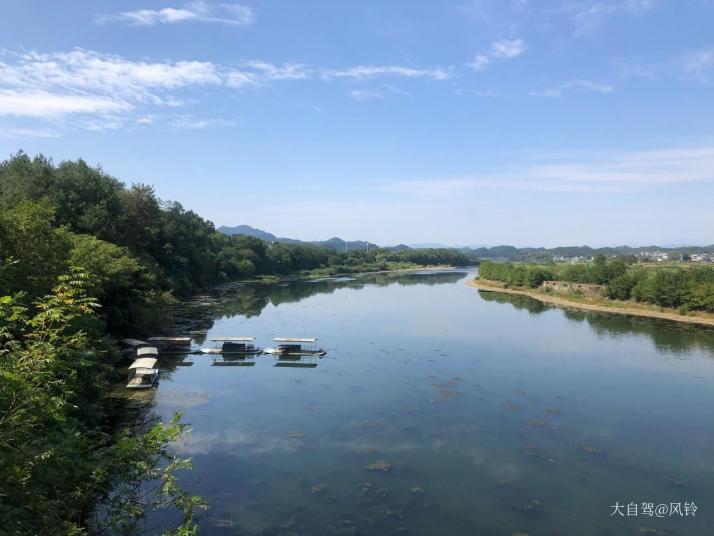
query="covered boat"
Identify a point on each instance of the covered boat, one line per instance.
(143, 373)
(233, 345)
(296, 346)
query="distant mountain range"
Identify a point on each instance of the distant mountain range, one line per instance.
(510, 253)
(335, 243)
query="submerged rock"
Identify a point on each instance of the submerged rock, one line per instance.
(379, 465)
(589, 449)
(319, 488)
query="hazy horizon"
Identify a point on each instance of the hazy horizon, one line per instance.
(462, 122)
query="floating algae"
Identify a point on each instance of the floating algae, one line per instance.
(364, 424)
(185, 399)
(536, 423)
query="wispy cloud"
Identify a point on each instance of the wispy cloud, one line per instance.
(693, 65)
(366, 94)
(499, 50)
(574, 85)
(190, 122)
(365, 72)
(15, 133)
(698, 64)
(199, 11)
(597, 173)
(482, 93)
(375, 93)
(106, 90)
(586, 16)
(43, 104)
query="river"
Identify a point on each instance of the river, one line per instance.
(442, 411)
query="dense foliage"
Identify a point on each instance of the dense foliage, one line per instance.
(687, 288)
(58, 457)
(142, 251)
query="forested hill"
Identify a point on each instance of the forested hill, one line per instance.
(512, 253)
(504, 252)
(138, 251)
(334, 243)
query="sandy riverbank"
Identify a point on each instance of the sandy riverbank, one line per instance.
(595, 304)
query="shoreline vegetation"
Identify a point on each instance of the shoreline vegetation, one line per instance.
(597, 286)
(600, 305)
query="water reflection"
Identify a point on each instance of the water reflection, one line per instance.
(436, 412)
(249, 300)
(667, 336)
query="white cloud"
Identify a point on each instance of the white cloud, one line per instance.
(578, 85)
(189, 122)
(483, 93)
(14, 133)
(366, 94)
(499, 50)
(376, 93)
(199, 11)
(86, 71)
(693, 65)
(107, 91)
(698, 64)
(587, 16)
(598, 173)
(43, 104)
(255, 73)
(364, 72)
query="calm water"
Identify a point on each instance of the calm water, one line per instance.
(491, 414)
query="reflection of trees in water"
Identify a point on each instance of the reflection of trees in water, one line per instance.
(671, 337)
(249, 299)
(519, 302)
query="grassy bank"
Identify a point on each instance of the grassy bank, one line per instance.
(589, 303)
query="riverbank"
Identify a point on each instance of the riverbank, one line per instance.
(313, 274)
(601, 305)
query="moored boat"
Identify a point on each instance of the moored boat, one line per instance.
(296, 346)
(143, 373)
(233, 345)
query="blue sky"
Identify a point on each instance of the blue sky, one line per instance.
(546, 122)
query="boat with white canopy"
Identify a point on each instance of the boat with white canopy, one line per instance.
(143, 373)
(296, 346)
(233, 345)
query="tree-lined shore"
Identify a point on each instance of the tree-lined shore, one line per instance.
(673, 291)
